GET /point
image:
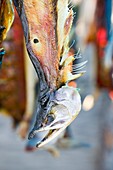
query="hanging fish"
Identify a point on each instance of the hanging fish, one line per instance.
(102, 23)
(6, 20)
(46, 25)
(6, 17)
(12, 74)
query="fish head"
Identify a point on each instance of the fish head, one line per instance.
(66, 105)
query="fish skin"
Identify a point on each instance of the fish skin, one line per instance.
(42, 26)
(49, 25)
